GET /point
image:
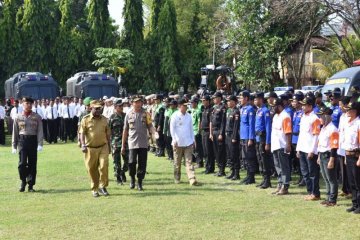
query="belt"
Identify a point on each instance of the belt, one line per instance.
(352, 153)
(97, 146)
(22, 136)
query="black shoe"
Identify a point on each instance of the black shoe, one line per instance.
(31, 189)
(231, 175)
(245, 180)
(119, 182)
(302, 183)
(235, 177)
(95, 194)
(103, 192)
(123, 177)
(221, 174)
(351, 209)
(22, 186)
(267, 184)
(357, 211)
(132, 183)
(139, 186)
(261, 184)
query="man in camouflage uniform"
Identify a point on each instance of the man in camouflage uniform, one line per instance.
(171, 108)
(196, 118)
(116, 125)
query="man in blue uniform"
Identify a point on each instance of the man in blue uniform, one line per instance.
(217, 132)
(247, 136)
(263, 139)
(334, 100)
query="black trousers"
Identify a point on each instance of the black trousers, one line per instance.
(137, 156)
(169, 148)
(59, 124)
(74, 127)
(2, 132)
(199, 149)
(44, 122)
(160, 142)
(208, 151)
(52, 130)
(219, 150)
(353, 173)
(344, 176)
(232, 152)
(264, 159)
(28, 158)
(249, 156)
(67, 129)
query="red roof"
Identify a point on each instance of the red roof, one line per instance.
(356, 63)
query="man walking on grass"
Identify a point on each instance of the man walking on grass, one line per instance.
(182, 133)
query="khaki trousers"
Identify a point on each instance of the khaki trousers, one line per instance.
(97, 165)
(179, 153)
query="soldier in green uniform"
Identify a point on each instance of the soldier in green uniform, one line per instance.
(171, 107)
(116, 125)
(159, 125)
(196, 118)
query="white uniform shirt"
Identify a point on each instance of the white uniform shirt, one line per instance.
(50, 115)
(328, 138)
(351, 135)
(181, 129)
(310, 127)
(343, 119)
(65, 110)
(39, 111)
(15, 111)
(2, 112)
(281, 126)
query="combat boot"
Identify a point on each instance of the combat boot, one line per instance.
(236, 175)
(221, 173)
(251, 179)
(132, 182)
(140, 187)
(262, 183)
(118, 180)
(22, 186)
(231, 175)
(267, 183)
(245, 180)
(123, 177)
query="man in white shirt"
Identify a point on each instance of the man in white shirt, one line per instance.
(67, 114)
(2, 124)
(16, 109)
(183, 139)
(51, 115)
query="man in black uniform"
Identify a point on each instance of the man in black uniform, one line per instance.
(233, 137)
(208, 149)
(159, 126)
(28, 139)
(217, 132)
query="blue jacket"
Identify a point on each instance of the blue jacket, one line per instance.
(296, 126)
(290, 111)
(336, 115)
(247, 123)
(263, 125)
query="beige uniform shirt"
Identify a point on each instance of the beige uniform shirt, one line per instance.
(96, 130)
(29, 126)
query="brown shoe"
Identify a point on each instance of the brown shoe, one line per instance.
(330, 204)
(283, 191)
(307, 197)
(277, 189)
(325, 202)
(313, 198)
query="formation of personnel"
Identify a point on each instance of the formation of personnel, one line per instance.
(277, 136)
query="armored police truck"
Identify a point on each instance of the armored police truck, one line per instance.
(92, 84)
(345, 80)
(31, 84)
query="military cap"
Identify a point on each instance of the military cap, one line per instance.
(136, 98)
(194, 99)
(206, 98)
(87, 101)
(299, 96)
(325, 111)
(95, 104)
(353, 106)
(284, 97)
(273, 95)
(28, 99)
(328, 92)
(336, 92)
(259, 95)
(217, 94)
(119, 102)
(232, 98)
(245, 93)
(308, 101)
(277, 102)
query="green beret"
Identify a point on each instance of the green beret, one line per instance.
(87, 101)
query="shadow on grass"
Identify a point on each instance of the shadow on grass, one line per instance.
(59, 191)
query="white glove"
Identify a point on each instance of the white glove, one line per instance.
(156, 135)
(39, 148)
(14, 151)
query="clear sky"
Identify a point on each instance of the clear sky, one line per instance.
(115, 9)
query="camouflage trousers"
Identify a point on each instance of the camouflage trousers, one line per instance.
(118, 169)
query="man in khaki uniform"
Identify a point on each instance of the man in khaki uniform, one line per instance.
(95, 143)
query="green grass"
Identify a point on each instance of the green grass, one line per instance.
(63, 208)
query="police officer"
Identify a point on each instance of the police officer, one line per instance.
(28, 138)
(263, 139)
(247, 136)
(159, 125)
(205, 135)
(137, 125)
(217, 132)
(95, 144)
(334, 100)
(232, 137)
(116, 125)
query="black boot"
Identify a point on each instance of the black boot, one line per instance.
(267, 183)
(119, 181)
(221, 173)
(140, 187)
(251, 179)
(161, 153)
(123, 177)
(231, 175)
(236, 175)
(22, 186)
(245, 180)
(262, 182)
(132, 182)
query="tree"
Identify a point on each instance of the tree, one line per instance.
(132, 38)
(113, 61)
(168, 48)
(155, 11)
(99, 23)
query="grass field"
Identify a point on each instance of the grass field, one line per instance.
(63, 208)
